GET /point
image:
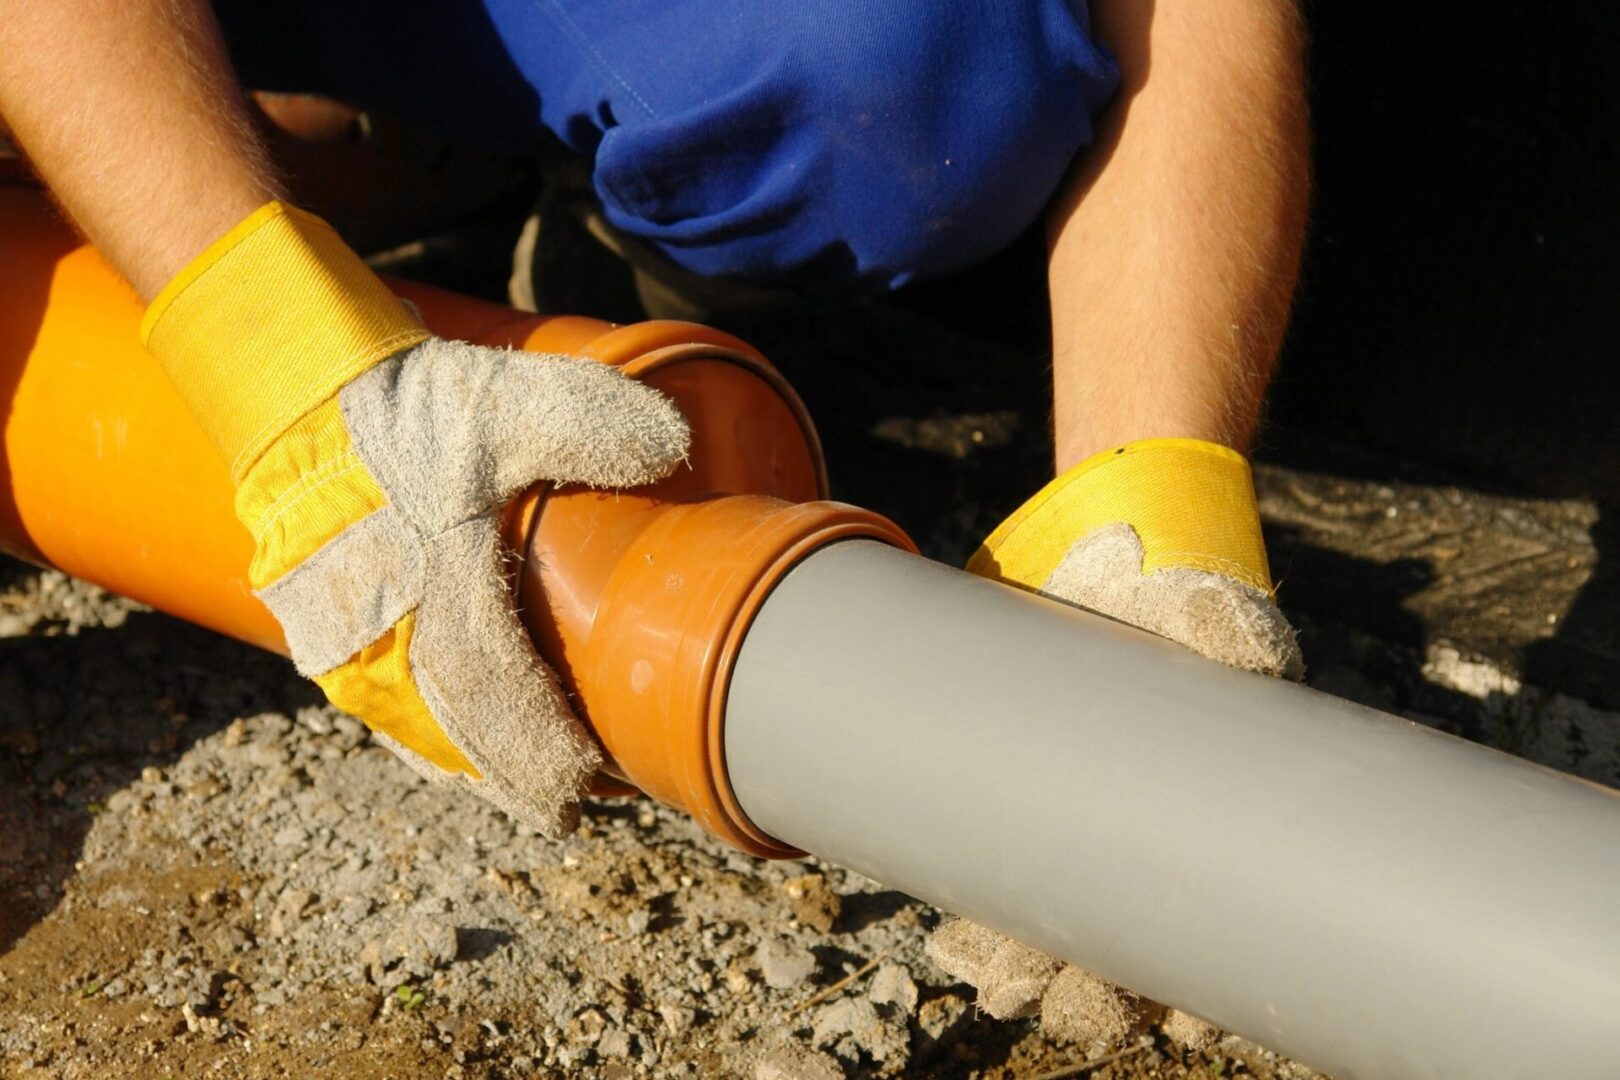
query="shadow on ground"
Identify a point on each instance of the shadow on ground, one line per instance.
(85, 709)
(1457, 319)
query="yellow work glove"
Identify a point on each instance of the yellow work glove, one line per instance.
(1163, 534)
(371, 460)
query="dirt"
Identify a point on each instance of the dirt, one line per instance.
(205, 872)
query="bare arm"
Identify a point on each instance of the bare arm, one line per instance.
(131, 114)
(1176, 245)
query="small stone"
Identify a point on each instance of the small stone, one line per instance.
(205, 789)
(939, 1015)
(347, 732)
(587, 1028)
(290, 836)
(737, 979)
(1186, 1030)
(515, 885)
(266, 756)
(353, 909)
(892, 985)
(316, 720)
(291, 905)
(636, 923)
(813, 902)
(414, 947)
(852, 1025)
(677, 1018)
(615, 1043)
(794, 1063)
(784, 965)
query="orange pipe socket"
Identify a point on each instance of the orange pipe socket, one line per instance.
(639, 599)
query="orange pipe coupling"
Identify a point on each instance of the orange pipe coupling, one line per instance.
(639, 599)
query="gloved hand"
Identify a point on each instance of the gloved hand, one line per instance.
(1163, 534)
(371, 460)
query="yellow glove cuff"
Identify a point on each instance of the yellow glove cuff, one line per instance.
(269, 322)
(1191, 503)
(379, 686)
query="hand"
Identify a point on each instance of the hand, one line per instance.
(1164, 535)
(371, 461)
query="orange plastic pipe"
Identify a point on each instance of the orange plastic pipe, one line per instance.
(639, 599)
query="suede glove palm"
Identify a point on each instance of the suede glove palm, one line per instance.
(371, 460)
(1163, 534)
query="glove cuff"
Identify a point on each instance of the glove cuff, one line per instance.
(1190, 502)
(269, 322)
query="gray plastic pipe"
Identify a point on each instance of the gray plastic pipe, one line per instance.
(1369, 896)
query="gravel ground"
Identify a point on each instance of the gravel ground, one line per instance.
(205, 872)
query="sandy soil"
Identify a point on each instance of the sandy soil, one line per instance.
(204, 872)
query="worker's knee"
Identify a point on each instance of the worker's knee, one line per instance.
(863, 143)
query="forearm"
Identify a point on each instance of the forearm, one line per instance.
(130, 113)
(1175, 247)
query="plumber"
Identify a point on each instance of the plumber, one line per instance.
(1163, 144)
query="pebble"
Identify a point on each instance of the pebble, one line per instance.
(588, 1027)
(892, 985)
(677, 1018)
(794, 1063)
(615, 1043)
(431, 905)
(205, 789)
(353, 909)
(290, 836)
(316, 720)
(348, 727)
(852, 1025)
(813, 901)
(412, 947)
(289, 910)
(266, 755)
(939, 1015)
(784, 965)
(737, 980)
